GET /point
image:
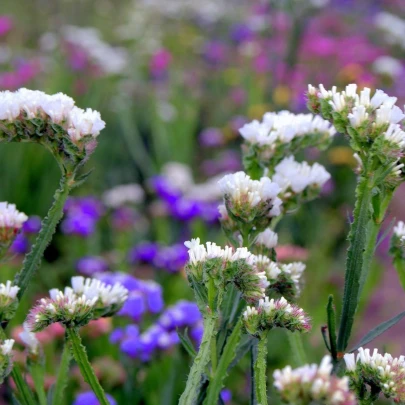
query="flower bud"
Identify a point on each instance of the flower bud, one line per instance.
(8, 301)
(11, 221)
(6, 359)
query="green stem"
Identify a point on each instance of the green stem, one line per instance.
(63, 375)
(80, 355)
(228, 354)
(330, 310)
(355, 260)
(214, 359)
(37, 374)
(33, 259)
(260, 368)
(297, 348)
(200, 363)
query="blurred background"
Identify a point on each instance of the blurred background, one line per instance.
(175, 80)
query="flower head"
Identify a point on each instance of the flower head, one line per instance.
(6, 358)
(271, 313)
(380, 372)
(8, 300)
(313, 384)
(11, 221)
(30, 340)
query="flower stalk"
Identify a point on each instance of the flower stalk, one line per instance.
(259, 371)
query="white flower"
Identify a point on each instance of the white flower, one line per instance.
(9, 106)
(10, 217)
(395, 135)
(399, 229)
(84, 123)
(7, 346)
(267, 238)
(350, 361)
(338, 102)
(30, 340)
(388, 114)
(299, 176)
(386, 65)
(358, 116)
(241, 188)
(295, 270)
(58, 106)
(123, 194)
(8, 290)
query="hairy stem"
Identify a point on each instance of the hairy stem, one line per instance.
(33, 259)
(260, 368)
(80, 355)
(356, 257)
(228, 354)
(37, 373)
(200, 363)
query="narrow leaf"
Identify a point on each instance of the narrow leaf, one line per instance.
(186, 342)
(379, 330)
(330, 310)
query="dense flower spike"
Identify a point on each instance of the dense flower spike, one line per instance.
(313, 384)
(275, 314)
(8, 301)
(299, 182)
(250, 202)
(52, 120)
(372, 123)
(11, 221)
(283, 133)
(381, 372)
(6, 358)
(88, 299)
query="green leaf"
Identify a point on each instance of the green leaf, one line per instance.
(186, 342)
(330, 310)
(63, 376)
(379, 330)
(82, 178)
(24, 391)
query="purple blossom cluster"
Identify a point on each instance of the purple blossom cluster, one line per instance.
(81, 216)
(21, 243)
(170, 258)
(144, 295)
(180, 206)
(89, 398)
(90, 265)
(161, 335)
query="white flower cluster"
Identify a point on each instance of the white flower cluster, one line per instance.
(7, 347)
(199, 253)
(362, 106)
(105, 293)
(242, 190)
(111, 60)
(29, 339)
(313, 383)
(393, 26)
(267, 238)
(8, 291)
(10, 217)
(290, 174)
(123, 194)
(58, 107)
(399, 229)
(384, 370)
(283, 127)
(294, 270)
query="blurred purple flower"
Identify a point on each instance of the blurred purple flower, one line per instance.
(32, 225)
(145, 252)
(89, 398)
(6, 24)
(90, 265)
(241, 33)
(211, 137)
(20, 245)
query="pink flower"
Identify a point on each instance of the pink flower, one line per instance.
(6, 24)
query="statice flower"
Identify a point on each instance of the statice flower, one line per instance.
(381, 372)
(313, 384)
(228, 265)
(88, 299)
(171, 258)
(161, 335)
(267, 239)
(371, 122)
(11, 221)
(144, 252)
(53, 120)
(8, 300)
(299, 182)
(283, 133)
(250, 201)
(271, 313)
(123, 194)
(6, 358)
(89, 398)
(81, 216)
(90, 265)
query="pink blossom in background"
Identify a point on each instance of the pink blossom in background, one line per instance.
(6, 24)
(291, 253)
(24, 72)
(160, 62)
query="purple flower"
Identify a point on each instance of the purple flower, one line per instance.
(117, 335)
(241, 33)
(144, 252)
(211, 137)
(20, 245)
(90, 265)
(164, 189)
(6, 24)
(182, 314)
(89, 398)
(226, 395)
(214, 52)
(171, 258)
(134, 306)
(154, 296)
(32, 225)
